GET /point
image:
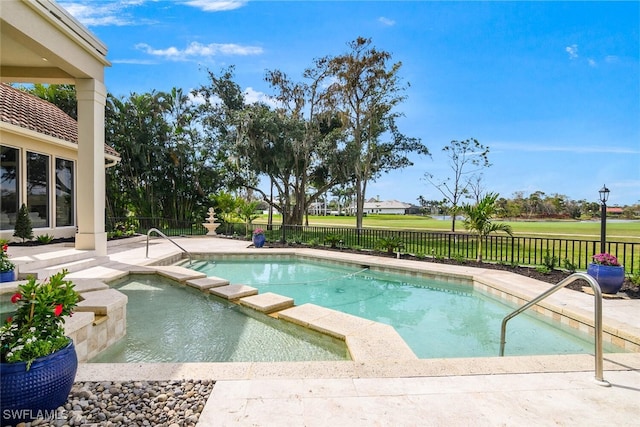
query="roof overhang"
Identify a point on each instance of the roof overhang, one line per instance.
(40, 42)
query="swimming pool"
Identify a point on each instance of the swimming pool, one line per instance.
(169, 322)
(437, 319)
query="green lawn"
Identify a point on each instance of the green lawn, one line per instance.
(616, 231)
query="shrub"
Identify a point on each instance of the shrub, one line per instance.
(569, 266)
(44, 239)
(332, 240)
(543, 269)
(23, 228)
(459, 259)
(549, 261)
(390, 244)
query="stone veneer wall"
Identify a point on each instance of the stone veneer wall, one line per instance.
(99, 321)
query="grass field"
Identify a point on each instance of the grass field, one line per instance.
(620, 231)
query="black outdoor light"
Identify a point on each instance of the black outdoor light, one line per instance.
(604, 196)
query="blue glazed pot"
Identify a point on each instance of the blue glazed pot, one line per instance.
(258, 240)
(26, 395)
(7, 276)
(610, 278)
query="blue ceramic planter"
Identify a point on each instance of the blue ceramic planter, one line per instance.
(7, 276)
(258, 240)
(609, 278)
(40, 390)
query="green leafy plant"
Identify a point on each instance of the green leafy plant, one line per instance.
(314, 242)
(569, 266)
(421, 255)
(478, 220)
(549, 261)
(390, 244)
(435, 256)
(332, 240)
(543, 269)
(459, 259)
(5, 263)
(36, 329)
(44, 238)
(635, 278)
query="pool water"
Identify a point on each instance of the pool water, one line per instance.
(436, 319)
(169, 322)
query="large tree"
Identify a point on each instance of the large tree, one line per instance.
(365, 89)
(294, 145)
(167, 169)
(466, 159)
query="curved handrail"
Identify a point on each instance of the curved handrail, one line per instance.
(597, 321)
(161, 234)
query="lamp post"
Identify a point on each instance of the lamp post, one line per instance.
(604, 195)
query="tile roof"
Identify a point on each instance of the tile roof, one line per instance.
(27, 111)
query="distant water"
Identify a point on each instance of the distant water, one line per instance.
(446, 217)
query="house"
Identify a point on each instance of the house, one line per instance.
(40, 42)
(38, 155)
(375, 206)
(614, 210)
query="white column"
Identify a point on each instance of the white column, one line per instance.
(91, 95)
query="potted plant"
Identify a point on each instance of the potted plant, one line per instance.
(7, 273)
(607, 271)
(258, 237)
(38, 362)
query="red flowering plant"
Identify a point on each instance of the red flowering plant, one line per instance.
(605, 259)
(258, 231)
(5, 264)
(36, 329)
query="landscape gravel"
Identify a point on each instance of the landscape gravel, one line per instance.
(137, 403)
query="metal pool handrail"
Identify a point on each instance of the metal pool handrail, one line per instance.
(597, 321)
(161, 234)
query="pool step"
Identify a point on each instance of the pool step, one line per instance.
(267, 302)
(76, 262)
(234, 292)
(207, 283)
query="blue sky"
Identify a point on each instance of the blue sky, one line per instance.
(552, 88)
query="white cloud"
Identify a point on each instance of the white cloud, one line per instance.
(572, 51)
(198, 99)
(386, 21)
(591, 62)
(611, 59)
(96, 14)
(216, 5)
(197, 50)
(251, 96)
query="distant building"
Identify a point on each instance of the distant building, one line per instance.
(374, 206)
(614, 210)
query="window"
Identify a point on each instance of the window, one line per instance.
(38, 189)
(9, 189)
(64, 192)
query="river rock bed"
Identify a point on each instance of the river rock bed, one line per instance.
(136, 403)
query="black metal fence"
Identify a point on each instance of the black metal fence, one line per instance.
(533, 251)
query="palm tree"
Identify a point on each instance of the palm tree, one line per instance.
(478, 220)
